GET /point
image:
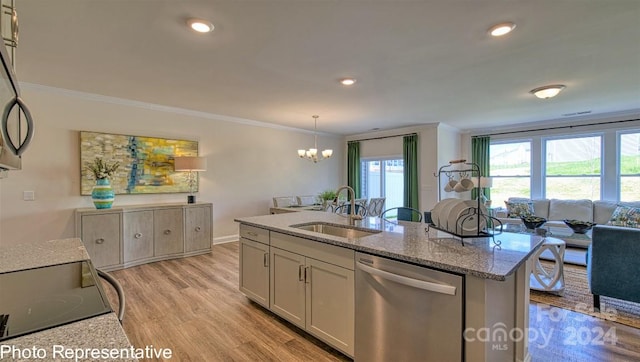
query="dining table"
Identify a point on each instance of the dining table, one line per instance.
(295, 208)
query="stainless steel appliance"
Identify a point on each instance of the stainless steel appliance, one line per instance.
(406, 312)
(16, 124)
(36, 299)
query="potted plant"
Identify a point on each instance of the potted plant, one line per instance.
(326, 196)
(102, 193)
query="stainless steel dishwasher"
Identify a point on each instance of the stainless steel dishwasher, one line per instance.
(406, 312)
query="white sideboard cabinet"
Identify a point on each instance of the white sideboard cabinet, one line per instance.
(130, 235)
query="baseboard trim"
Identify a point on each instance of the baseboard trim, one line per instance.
(226, 239)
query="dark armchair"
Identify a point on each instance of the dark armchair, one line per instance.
(613, 261)
(403, 214)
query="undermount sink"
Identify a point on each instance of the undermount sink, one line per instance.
(342, 231)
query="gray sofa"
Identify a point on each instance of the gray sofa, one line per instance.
(556, 210)
(613, 260)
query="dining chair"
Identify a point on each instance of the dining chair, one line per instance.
(362, 202)
(376, 205)
(403, 214)
(285, 201)
(307, 200)
(346, 209)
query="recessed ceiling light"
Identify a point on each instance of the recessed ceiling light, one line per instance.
(502, 29)
(200, 25)
(548, 91)
(347, 81)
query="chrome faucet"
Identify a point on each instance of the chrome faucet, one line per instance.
(353, 216)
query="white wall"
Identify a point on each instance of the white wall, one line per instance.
(248, 164)
(449, 149)
(438, 144)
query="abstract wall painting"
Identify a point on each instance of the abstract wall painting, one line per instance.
(146, 163)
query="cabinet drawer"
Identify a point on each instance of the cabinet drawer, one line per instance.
(328, 253)
(254, 233)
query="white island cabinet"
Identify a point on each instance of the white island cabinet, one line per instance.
(312, 282)
(310, 285)
(130, 235)
(254, 264)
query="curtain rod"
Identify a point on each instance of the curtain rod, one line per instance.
(557, 127)
(382, 137)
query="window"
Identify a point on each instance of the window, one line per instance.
(510, 169)
(629, 165)
(573, 168)
(384, 178)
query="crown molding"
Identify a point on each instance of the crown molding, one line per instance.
(158, 107)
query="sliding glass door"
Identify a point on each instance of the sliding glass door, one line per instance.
(383, 178)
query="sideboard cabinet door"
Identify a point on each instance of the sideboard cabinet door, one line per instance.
(101, 237)
(138, 235)
(168, 228)
(198, 228)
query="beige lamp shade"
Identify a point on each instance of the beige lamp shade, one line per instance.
(486, 182)
(190, 164)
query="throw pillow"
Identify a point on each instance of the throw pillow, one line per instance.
(625, 216)
(517, 209)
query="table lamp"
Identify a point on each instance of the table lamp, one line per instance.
(191, 165)
(485, 182)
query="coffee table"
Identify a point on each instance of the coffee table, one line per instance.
(560, 232)
(549, 280)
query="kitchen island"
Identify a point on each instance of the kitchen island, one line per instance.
(76, 340)
(495, 274)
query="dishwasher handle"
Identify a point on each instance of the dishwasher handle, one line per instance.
(415, 283)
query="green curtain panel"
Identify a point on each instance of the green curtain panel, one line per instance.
(480, 155)
(410, 154)
(353, 166)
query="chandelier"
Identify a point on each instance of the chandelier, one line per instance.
(312, 153)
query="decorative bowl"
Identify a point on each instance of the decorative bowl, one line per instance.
(532, 222)
(579, 227)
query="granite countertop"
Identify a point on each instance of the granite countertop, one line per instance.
(409, 241)
(101, 332)
(93, 335)
(42, 253)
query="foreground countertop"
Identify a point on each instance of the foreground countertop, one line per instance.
(484, 257)
(101, 332)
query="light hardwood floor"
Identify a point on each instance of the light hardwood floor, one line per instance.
(193, 307)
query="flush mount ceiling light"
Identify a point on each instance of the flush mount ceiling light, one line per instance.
(312, 153)
(200, 25)
(502, 29)
(347, 81)
(548, 91)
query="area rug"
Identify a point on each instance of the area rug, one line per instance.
(578, 298)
